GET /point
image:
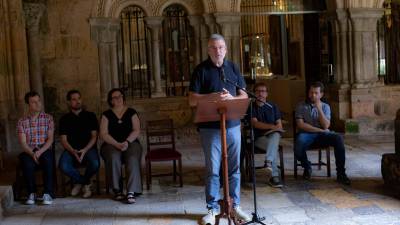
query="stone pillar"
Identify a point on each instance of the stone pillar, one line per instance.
(19, 57)
(155, 23)
(195, 22)
(105, 32)
(33, 14)
(364, 37)
(230, 26)
(342, 54)
(207, 28)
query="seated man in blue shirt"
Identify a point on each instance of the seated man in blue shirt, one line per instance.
(313, 121)
(266, 120)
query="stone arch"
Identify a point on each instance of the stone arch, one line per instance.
(192, 7)
(117, 7)
(112, 8)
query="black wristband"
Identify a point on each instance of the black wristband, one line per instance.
(35, 149)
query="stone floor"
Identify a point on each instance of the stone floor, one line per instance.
(319, 201)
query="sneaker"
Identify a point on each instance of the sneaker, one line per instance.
(241, 215)
(268, 168)
(209, 219)
(343, 179)
(275, 182)
(87, 191)
(31, 199)
(47, 199)
(76, 190)
(307, 173)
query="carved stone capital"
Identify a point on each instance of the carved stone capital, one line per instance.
(104, 30)
(365, 19)
(154, 22)
(195, 20)
(33, 14)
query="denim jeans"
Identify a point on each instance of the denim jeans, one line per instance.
(68, 164)
(211, 143)
(270, 144)
(46, 163)
(323, 139)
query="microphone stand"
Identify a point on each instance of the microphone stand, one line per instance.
(256, 218)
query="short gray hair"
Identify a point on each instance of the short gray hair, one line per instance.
(215, 37)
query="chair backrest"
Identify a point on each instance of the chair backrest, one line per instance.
(160, 134)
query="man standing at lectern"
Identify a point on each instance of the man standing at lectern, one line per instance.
(210, 80)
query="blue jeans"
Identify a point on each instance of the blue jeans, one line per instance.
(322, 139)
(46, 163)
(270, 144)
(211, 143)
(68, 164)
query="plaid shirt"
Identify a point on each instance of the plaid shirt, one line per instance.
(36, 130)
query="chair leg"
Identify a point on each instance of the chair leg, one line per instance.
(148, 175)
(174, 174)
(98, 182)
(180, 172)
(319, 159)
(63, 184)
(107, 182)
(328, 161)
(295, 166)
(282, 163)
(247, 166)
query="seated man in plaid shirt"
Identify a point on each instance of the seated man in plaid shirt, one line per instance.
(35, 134)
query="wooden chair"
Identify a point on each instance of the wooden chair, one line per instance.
(19, 183)
(317, 148)
(161, 147)
(65, 180)
(248, 156)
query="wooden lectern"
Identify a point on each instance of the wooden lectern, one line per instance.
(208, 111)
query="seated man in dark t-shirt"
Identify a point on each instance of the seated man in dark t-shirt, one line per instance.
(78, 131)
(266, 120)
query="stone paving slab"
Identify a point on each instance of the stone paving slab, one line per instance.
(320, 201)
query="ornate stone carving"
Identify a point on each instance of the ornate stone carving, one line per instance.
(211, 6)
(100, 8)
(33, 14)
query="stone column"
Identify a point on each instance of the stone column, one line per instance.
(342, 54)
(195, 22)
(33, 14)
(155, 23)
(364, 37)
(19, 56)
(105, 32)
(207, 28)
(230, 26)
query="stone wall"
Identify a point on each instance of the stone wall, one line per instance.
(69, 57)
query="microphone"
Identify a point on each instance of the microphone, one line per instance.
(222, 74)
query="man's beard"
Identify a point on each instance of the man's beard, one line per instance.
(79, 107)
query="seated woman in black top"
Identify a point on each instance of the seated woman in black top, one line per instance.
(120, 128)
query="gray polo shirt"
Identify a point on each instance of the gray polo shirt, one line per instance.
(309, 113)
